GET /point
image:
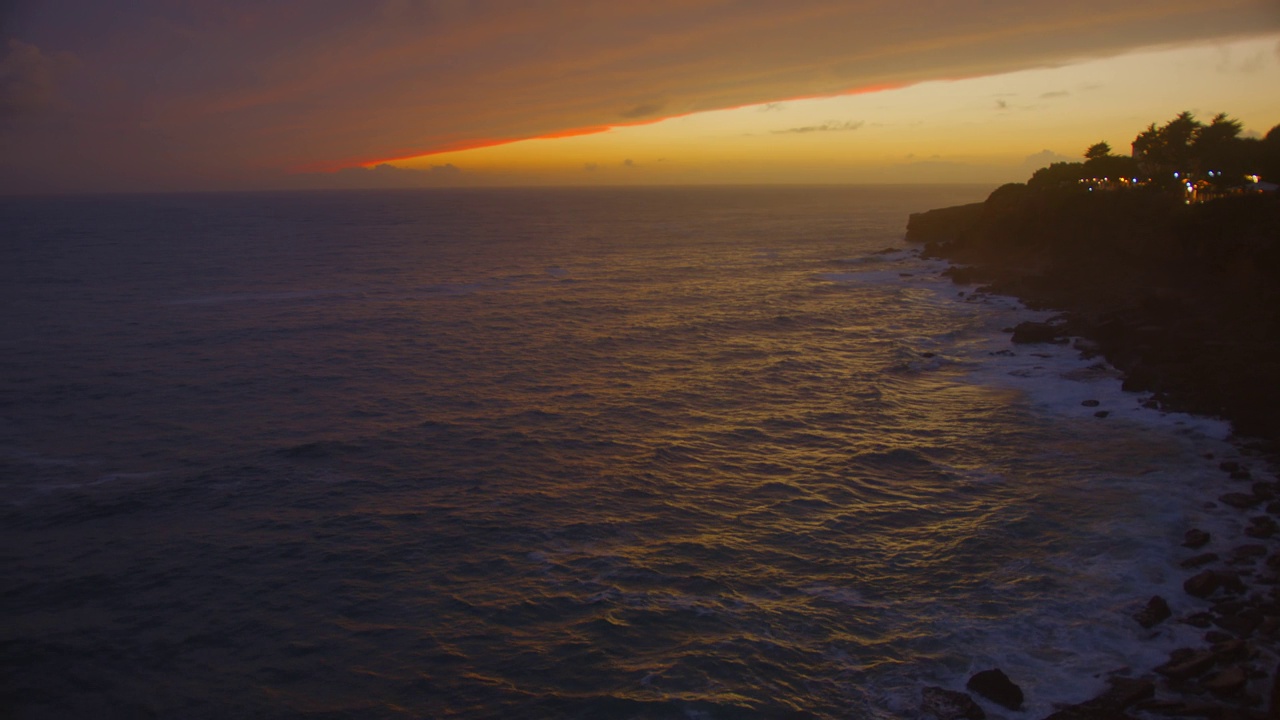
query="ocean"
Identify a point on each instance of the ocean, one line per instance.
(556, 453)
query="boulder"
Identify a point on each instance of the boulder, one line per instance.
(1239, 500)
(944, 704)
(1031, 332)
(1252, 550)
(1227, 682)
(1195, 538)
(1208, 582)
(1231, 650)
(1182, 665)
(1242, 624)
(1199, 560)
(1111, 704)
(1198, 620)
(1261, 527)
(1156, 612)
(995, 686)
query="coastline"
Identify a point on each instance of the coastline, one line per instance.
(1182, 299)
(1177, 299)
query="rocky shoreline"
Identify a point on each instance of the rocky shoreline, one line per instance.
(1233, 674)
(1185, 301)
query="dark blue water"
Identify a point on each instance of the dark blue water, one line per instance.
(642, 453)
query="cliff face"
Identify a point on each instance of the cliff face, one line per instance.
(1184, 298)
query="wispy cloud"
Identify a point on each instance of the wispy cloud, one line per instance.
(832, 126)
(641, 111)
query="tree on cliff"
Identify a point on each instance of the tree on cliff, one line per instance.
(1180, 151)
(1185, 149)
(1056, 176)
(1097, 150)
(1164, 154)
(1100, 163)
(1222, 156)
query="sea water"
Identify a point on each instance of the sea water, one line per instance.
(556, 453)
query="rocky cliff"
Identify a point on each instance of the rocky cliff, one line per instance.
(1185, 299)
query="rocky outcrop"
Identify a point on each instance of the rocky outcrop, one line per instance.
(1182, 299)
(942, 704)
(995, 686)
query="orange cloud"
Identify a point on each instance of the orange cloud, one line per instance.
(298, 84)
(558, 134)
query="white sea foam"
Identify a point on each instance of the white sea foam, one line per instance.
(1061, 649)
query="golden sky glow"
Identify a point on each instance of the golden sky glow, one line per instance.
(242, 94)
(986, 129)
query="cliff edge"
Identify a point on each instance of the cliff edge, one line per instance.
(1184, 299)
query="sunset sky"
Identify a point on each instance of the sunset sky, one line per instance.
(201, 95)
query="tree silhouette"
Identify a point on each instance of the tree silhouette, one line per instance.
(1097, 150)
(1183, 150)
(1165, 154)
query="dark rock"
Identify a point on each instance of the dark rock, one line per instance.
(1241, 624)
(1264, 490)
(1156, 612)
(1239, 500)
(1031, 332)
(1231, 650)
(1195, 538)
(1111, 704)
(1199, 560)
(1229, 466)
(1229, 607)
(1203, 584)
(1273, 508)
(1200, 619)
(1227, 682)
(1091, 403)
(1088, 348)
(995, 686)
(1261, 532)
(1182, 667)
(949, 705)
(1241, 475)
(1252, 550)
(1181, 708)
(1102, 413)
(1208, 582)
